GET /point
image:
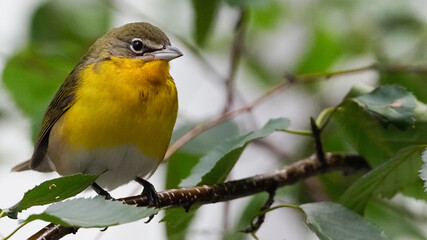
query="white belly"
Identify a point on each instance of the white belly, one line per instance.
(117, 166)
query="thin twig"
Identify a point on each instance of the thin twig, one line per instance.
(326, 75)
(389, 68)
(290, 79)
(235, 56)
(223, 117)
(396, 68)
(206, 194)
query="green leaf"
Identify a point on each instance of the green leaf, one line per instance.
(3, 213)
(268, 16)
(33, 88)
(54, 190)
(391, 104)
(323, 52)
(331, 221)
(177, 222)
(202, 143)
(230, 147)
(385, 180)
(205, 12)
(222, 168)
(423, 172)
(414, 83)
(61, 32)
(396, 221)
(64, 22)
(415, 190)
(368, 137)
(179, 166)
(246, 3)
(92, 213)
(181, 162)
(336, 183)
(247, 214)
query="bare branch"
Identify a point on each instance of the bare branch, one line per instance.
(187, 197)
(53, 231)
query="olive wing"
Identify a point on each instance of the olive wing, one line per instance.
(63, 100)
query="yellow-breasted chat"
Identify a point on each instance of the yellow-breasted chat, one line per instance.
(114, 113)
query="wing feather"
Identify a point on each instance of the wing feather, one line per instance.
(63, 100)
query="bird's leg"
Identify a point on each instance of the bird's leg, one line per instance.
(98, 189)
(149, 191)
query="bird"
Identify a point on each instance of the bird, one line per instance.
(114, 114)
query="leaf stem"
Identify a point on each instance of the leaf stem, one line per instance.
(326, 75)
(282, 206)
(3, 213)
(298, 132)
(17, 229)
(322, 115)
(265, 211)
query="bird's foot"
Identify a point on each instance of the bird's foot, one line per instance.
(150, 192)
(100, 191)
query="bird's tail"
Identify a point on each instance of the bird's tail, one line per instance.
(24, 166)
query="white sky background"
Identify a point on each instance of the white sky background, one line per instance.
(201, 96)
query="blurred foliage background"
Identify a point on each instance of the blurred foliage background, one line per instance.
(255, 43)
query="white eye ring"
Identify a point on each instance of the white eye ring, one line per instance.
(137, 46)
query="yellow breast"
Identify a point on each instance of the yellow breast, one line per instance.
(123, 101)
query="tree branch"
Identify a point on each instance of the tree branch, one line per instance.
(186, 197)
(52, 232)
(235, 56)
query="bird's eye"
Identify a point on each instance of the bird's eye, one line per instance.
(137, 46)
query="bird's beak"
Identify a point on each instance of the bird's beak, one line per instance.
(167, 54)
